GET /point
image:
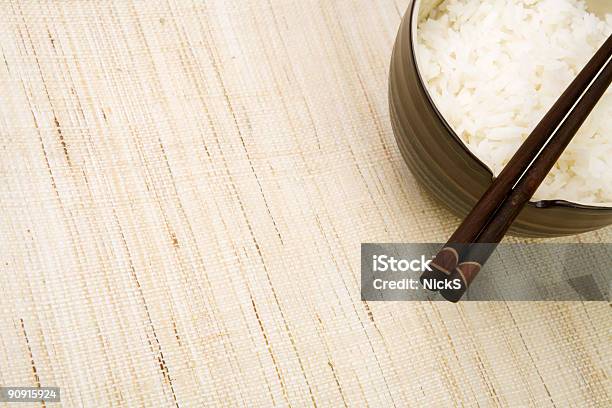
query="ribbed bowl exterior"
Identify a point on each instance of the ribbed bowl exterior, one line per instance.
(445, 167)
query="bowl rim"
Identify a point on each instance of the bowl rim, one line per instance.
(412, 29)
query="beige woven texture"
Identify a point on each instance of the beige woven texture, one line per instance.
(184, 189)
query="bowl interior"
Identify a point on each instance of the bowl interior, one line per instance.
(421, 9)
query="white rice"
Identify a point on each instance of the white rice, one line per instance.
(495, 67)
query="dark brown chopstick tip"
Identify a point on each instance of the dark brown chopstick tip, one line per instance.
(441, 266)
(461, 278)
(446, 260)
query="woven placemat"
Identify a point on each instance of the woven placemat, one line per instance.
(184, 189)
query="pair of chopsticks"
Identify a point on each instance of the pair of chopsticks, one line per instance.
(466, 250)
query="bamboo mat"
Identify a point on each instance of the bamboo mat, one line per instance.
(184, 189)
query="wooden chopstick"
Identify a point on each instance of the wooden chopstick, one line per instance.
(449, 256)
(478, 253)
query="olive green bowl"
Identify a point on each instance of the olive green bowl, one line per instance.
(443, 164)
